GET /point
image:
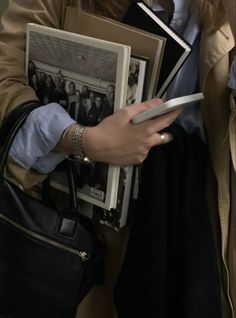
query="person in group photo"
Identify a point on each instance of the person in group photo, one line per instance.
(71, 95)
(132, 83)
(73, 112)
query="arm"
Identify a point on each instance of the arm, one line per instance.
(115, 140)
(13, 85)
(34, 144)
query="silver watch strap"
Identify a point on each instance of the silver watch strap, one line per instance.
(78, 150)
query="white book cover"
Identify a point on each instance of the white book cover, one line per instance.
(117, 217)
(88, 77)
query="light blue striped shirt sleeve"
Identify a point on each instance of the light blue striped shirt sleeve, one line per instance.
(35, 141)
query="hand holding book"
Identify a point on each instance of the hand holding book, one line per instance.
(112, 142)
(117, 141)
(168, 106)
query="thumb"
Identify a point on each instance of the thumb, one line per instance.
(135, 109)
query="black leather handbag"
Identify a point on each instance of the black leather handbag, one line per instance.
(49, 260)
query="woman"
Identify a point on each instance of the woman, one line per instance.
(128, 149)
(219, 119)
(71, 96)
(115, 140)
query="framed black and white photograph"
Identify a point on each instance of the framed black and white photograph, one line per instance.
(88, 78)
(136, 90)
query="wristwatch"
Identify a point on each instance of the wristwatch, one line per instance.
(78, 150)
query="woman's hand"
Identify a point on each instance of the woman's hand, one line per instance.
(117, 141)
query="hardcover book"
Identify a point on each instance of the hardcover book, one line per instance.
(88, 77)
(142, 43)
(91, 78)
(176, 50)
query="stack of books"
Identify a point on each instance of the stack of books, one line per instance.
(93, 68)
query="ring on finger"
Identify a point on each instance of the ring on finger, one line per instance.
(163, 138)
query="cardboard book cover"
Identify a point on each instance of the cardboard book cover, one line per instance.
(142, 43)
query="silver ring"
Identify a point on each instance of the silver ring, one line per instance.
(163, 138)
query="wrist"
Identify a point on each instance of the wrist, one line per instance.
(89, 142)
(78, 145)
(97, 145)
(65, 143)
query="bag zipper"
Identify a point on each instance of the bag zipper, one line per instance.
(82, 254)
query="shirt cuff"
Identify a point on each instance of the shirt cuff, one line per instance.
(39, 136)
(49, 162)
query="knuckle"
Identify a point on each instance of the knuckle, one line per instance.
(140, 160)
(140, 156)
(124, 112)
(146, 104)
(149, 131)
(144, 147)
(168, 120)
(148, 144)
(146, 132)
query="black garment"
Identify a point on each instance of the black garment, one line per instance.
(41, 90)
(61, 96)
(106, 110)
(82, 115)
(89, 118)
(93, 115)
(170, 268)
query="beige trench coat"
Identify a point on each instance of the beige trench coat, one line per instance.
(220, 122)
(219, 119)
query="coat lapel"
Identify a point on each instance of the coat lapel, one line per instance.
(214, 45)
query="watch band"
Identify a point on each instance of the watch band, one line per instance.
(78, 150)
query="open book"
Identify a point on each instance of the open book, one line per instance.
(176, 50)
(91, 78)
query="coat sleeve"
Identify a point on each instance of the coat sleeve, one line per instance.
(13, 85)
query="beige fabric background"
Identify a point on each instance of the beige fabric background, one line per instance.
(3, 6)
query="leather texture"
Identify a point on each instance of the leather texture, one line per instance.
(49, 260)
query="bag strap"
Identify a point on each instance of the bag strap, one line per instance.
(13, 116)
(46, 188)
(9, 129)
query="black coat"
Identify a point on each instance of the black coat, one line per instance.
(170, 267)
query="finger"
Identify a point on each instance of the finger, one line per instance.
(135, 109)
(165, 138)
(161, 122)
(162, 138)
